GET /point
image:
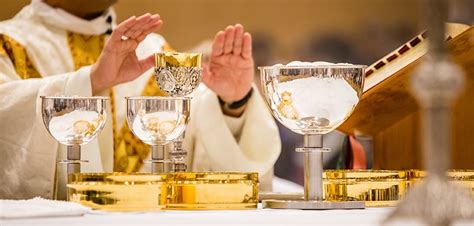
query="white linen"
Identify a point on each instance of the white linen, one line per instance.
(371, 216)
(39, 207)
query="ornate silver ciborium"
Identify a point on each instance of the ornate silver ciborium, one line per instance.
(312, 99)
(178, 75)
(73, 121)
(158, 121)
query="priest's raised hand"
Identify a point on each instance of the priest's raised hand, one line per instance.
(118, 62)
(231, 68)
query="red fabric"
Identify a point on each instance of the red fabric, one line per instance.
(358, 154)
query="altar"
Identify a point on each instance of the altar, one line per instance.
(247, 217)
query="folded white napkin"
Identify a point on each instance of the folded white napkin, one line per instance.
(39, 207)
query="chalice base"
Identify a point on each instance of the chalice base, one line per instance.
(312, 204)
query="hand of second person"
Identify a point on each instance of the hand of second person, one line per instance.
(118, 62)
(231, 68)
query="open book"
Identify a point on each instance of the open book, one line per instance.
(387, 98)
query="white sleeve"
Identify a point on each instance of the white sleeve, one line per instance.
(28, 152)
(215, 147)
(235, 125)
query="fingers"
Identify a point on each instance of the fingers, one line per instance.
(234, 41)
(218, 45)
(229, 39)
(239, 31)
(122, 28)
(150, 28)
(247, 46)
(145, 25)
(137, 28)
(147, 63)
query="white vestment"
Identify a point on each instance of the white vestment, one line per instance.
(28, 154)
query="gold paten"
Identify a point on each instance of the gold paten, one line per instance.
(175, 59)
(117, 191)
(212, 190)
(378, 188)
(179, 191)
(464, 178)
(219, 190)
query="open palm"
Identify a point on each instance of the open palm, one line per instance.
(231, 68)
(118, 62)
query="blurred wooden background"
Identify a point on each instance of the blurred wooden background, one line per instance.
(286, 22)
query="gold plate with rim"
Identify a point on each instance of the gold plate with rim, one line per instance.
(378, 188)
(117, 191)
(228, 190)
(178, 191)
(462, 177)
(212, 190)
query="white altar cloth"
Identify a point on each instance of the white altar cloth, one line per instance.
(371, 216)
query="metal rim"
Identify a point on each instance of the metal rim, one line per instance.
(177, 54)
(75, 97)
(311, 204)
(347, 66)
(157, 98)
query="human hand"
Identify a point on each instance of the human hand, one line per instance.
(230, 70)
(118, 62)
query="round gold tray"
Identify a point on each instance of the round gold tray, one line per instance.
(117, 191)
(179, 191)
(378, 188)
(212, 190)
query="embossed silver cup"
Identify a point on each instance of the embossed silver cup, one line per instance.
(178, 74)
(312, 100)
(158, 121)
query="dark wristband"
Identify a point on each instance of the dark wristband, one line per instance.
(237, 104)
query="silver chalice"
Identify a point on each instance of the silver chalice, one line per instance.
(312, 99)
(158, 121)
(74, 121)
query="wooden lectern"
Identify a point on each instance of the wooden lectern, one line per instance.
(388, 112)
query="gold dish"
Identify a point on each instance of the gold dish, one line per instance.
(464, 178)
(212, 190)
(378, 188)
(178, 191)
(117, 191)
(224, 190)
